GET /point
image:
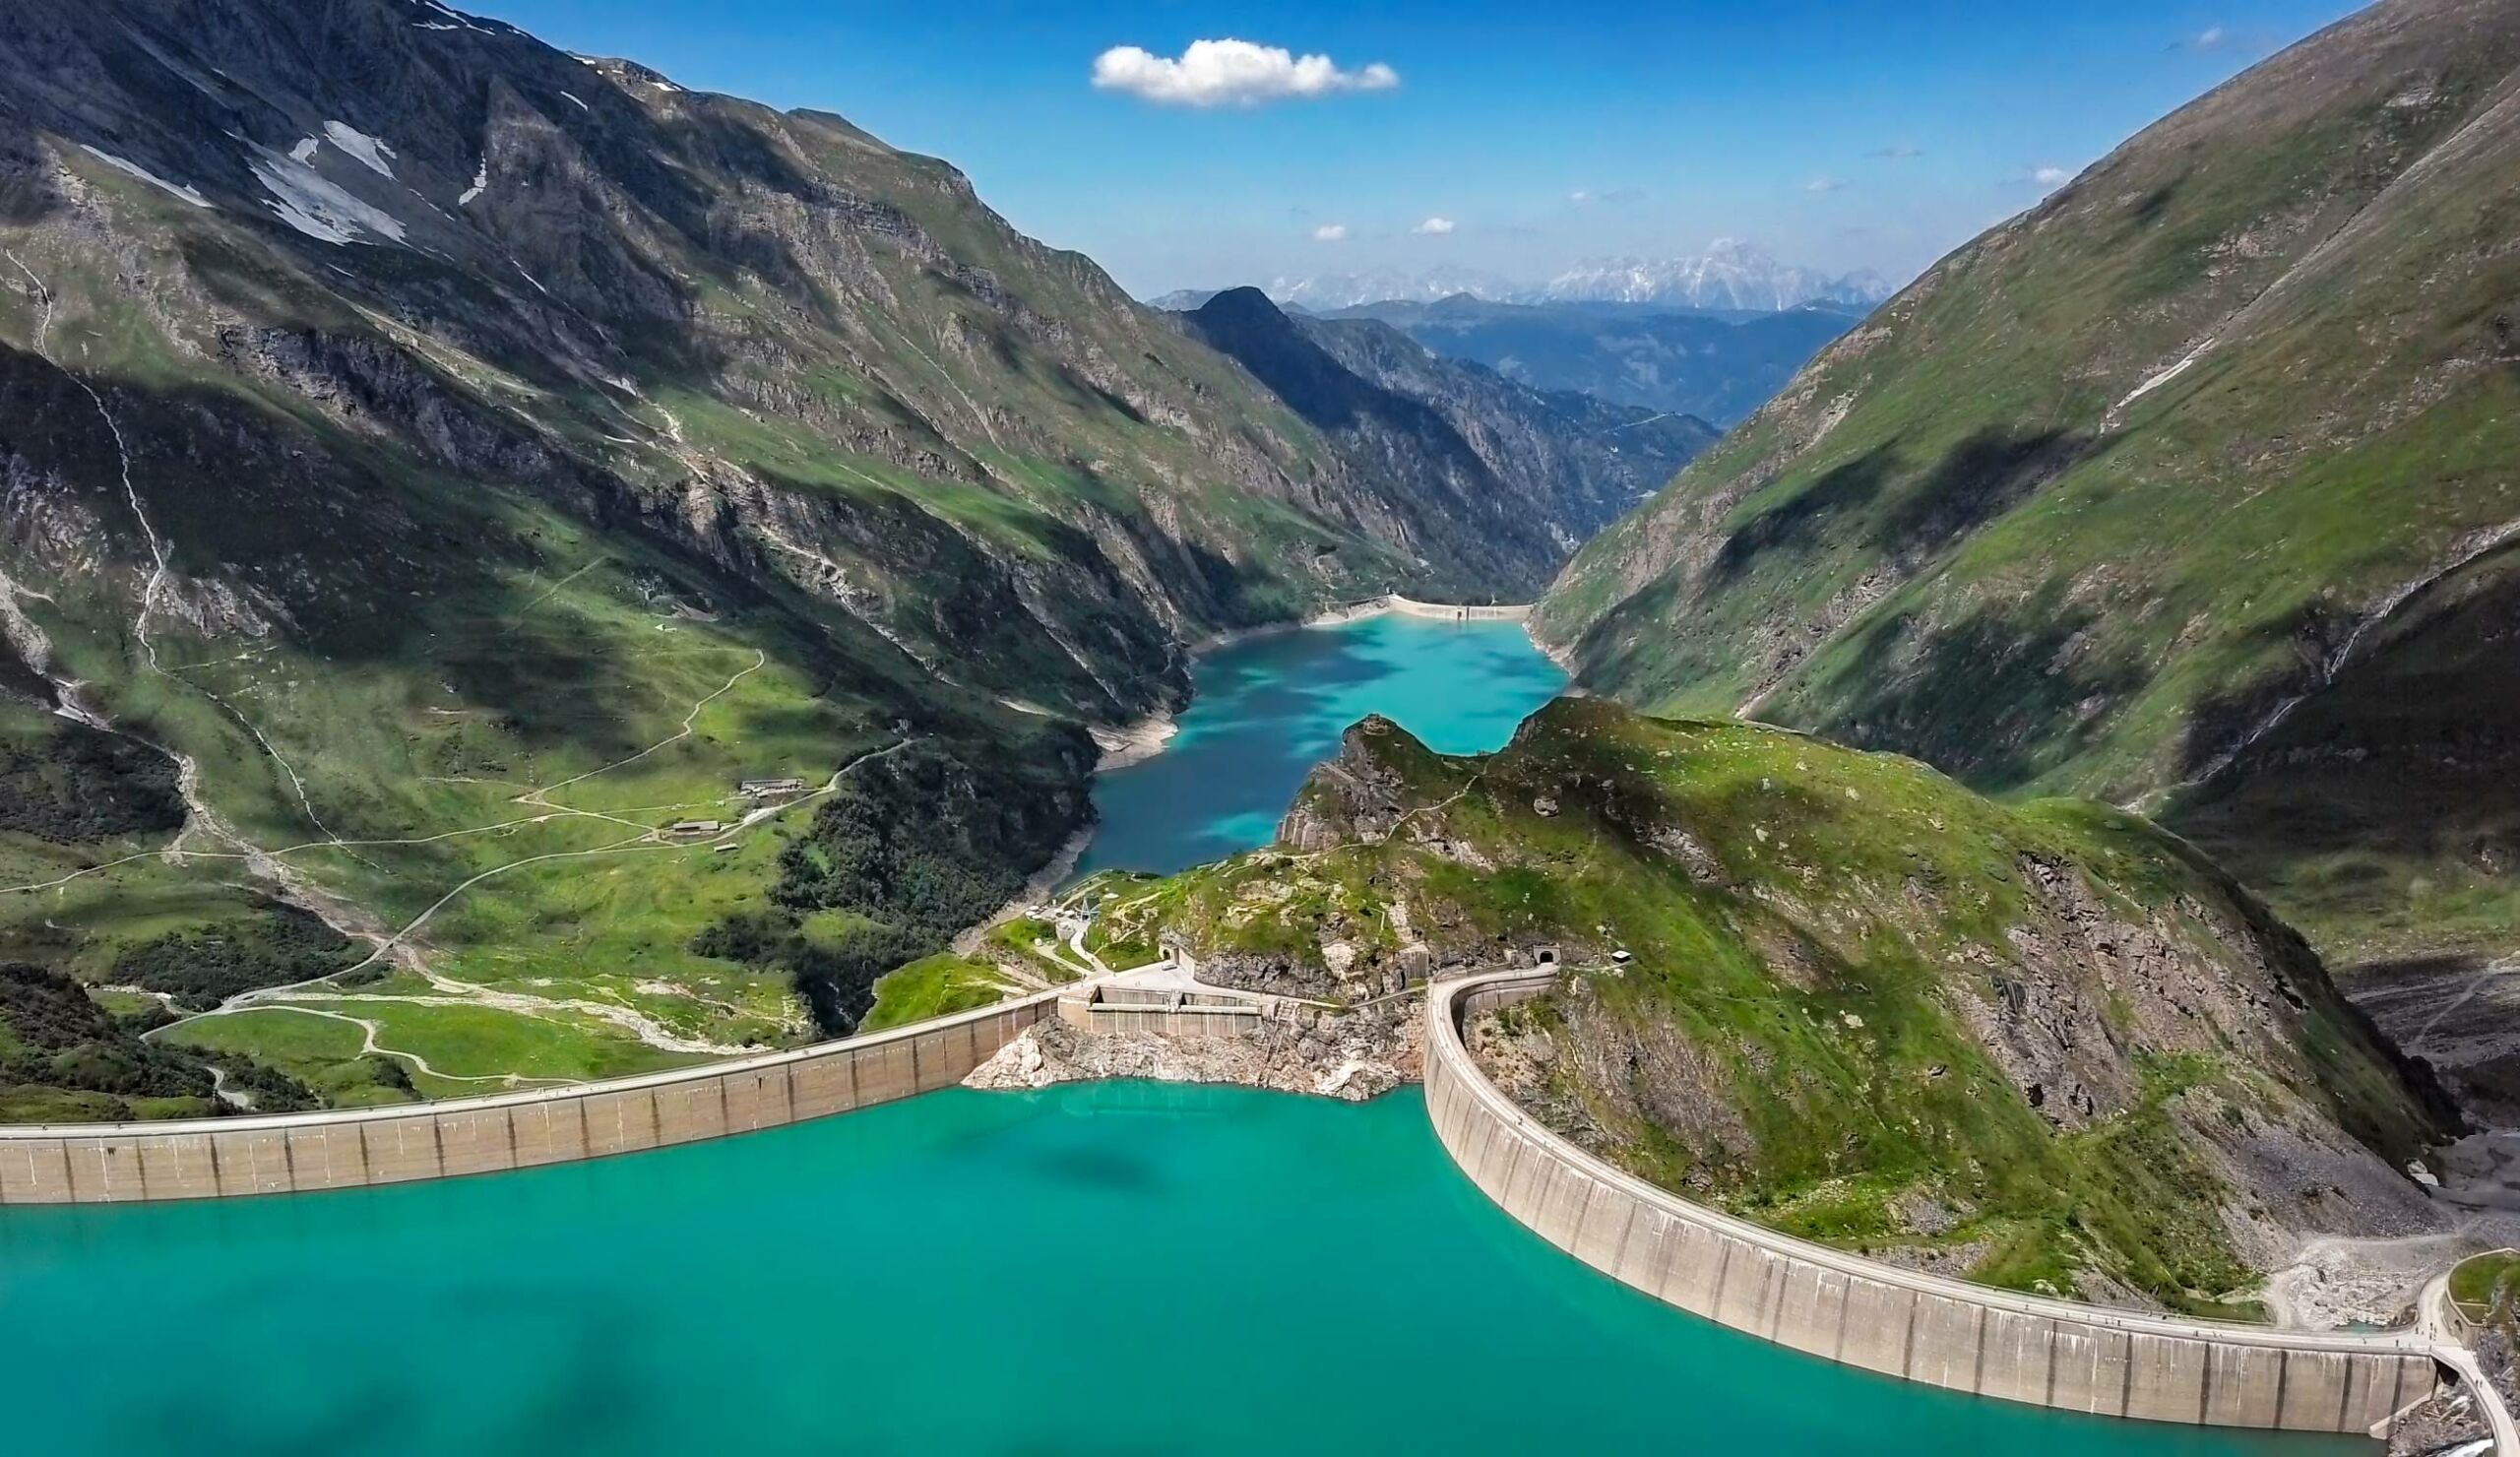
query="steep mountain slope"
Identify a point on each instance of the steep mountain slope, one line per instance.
(1581, 462)
(1386, 436)
(1513, 479)
(432, 465)
(1719, 367)
(2046, 1047)
(2132, 493)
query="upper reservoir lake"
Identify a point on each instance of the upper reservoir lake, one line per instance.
(1100, 1269)
(1268, 708)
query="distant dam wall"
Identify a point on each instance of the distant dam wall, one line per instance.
(1458, 611)
(1858, 1312)
(215, 1157)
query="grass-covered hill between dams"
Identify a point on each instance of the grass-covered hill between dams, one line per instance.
(2043, 1045)
(433, 465)
(2191, 487)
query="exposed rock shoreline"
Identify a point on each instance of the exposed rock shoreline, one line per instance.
(1353, 1056)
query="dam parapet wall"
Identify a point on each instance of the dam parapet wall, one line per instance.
(1459, 611)
(1858, 1312)
(290, 1153)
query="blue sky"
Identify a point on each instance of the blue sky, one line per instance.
(1842, 134)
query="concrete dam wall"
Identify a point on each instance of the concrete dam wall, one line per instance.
(1458, 612)
(212, 1158)
(1854, 1312)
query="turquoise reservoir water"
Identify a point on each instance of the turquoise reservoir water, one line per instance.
(1269, 709)
(1115, 1269)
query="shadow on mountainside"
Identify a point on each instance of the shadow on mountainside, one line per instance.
(1993, 700)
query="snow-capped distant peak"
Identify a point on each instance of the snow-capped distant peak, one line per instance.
(1731, 274)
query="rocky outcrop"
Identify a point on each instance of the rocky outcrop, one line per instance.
(1351, 1055)
(1838, 993)
(2449, 1425)
(1355, 799)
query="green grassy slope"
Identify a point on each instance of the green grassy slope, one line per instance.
(2001, 527)
(2048, 1046)
(592, 446)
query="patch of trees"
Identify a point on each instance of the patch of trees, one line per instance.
(204, 967)
(912, 848)
(77, 784)
(267, 1089)
(53, 1034)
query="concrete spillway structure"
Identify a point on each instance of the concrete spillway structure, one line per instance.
(285, 1153)
(1859, 1312)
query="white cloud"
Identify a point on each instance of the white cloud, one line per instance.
(1231, 73)
(2212, 38)
(1435, 227)
(2051, 177)
(1823, 184)
(1331, 233)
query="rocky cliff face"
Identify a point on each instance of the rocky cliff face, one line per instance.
(1350, 1055)
(2049, 1047)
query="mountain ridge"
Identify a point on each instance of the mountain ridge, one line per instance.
(1731, 274)
(1529, 474)
(2118, 492)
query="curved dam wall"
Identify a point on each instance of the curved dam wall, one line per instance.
(1458, 612)
(212, 1158)
(1857, 1312)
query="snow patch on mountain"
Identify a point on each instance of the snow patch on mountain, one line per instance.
(374, 154)
(304, 200)
(133, 168)
(460, 22)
